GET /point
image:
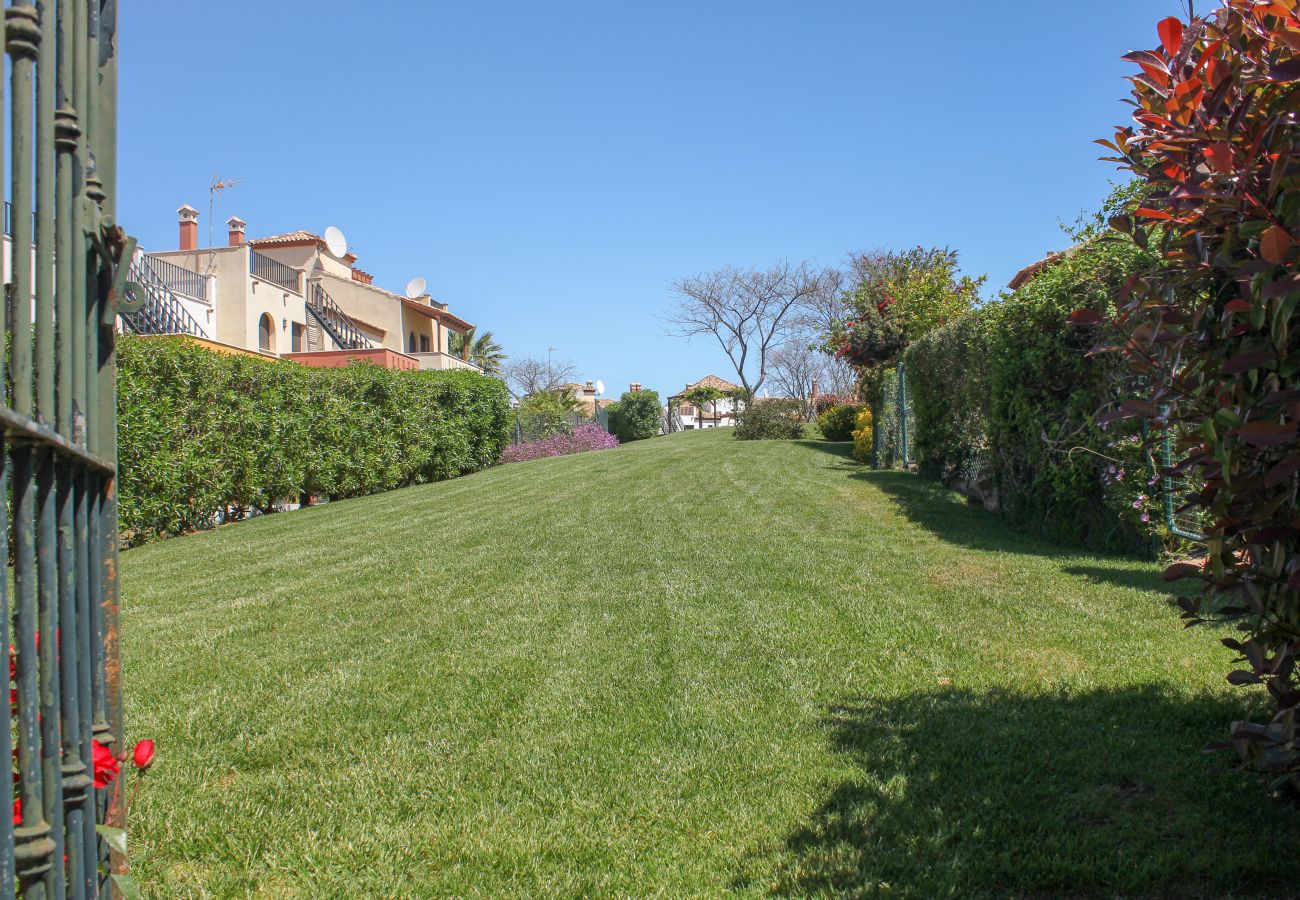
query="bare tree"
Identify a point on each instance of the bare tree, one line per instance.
(795, 368)
(532, 375)
(750, 312)
(801, 363)
(838, 377)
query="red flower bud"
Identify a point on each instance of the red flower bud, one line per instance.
(142, 756)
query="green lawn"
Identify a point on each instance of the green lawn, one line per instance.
(684, 667)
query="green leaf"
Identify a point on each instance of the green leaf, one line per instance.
(114, 837)
(127, 885)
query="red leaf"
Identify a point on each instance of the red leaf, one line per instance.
(1241, 677)
(1179, 571)
(1238, 305)
(1219, 156)
(1244, 362)
(1274, 244)
(1085, 317)
(1266, 434)
(1148, 213)
(1171, 35)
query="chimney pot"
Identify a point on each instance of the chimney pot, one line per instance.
(189, 225)
(236, 225)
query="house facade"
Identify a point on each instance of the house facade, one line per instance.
(718, 414)
(289, 296)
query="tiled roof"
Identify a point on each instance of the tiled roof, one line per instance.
(714, 381)
(295, 238)
(1032, 271)
(292, 237)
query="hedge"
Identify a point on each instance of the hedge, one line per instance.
(1005, 399)
(636, 416)
(204, 437)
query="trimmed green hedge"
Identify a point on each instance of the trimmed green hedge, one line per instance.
(204, 436)
(636, 416)
(1004, 402)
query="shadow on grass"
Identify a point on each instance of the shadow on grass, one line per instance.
(1104, 793)
(840, 449)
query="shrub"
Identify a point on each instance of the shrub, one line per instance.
(770, 420)
(548, 412)
(1006, 399)
(203, 435)
(637, 415)
(1212, 334)
(836, 423)
(582, 439)
(862, 436)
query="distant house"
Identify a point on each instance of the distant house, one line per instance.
(289, 295)
(719, 414)
(585, 394)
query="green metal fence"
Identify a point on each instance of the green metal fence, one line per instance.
(891, 438)
(530, 427)
(1183, 520)
(59, 518)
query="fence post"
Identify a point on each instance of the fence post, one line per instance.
(902, 412)
(877, 409)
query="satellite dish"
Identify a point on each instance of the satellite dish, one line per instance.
(415, 287)
(600, 387)
(335, 242)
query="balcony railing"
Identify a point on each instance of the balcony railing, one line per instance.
(337, 324)
(274, 271)
(179, 279)
(161, 311)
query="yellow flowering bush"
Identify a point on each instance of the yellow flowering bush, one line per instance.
(862, 436)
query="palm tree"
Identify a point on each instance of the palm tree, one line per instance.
(483, 351)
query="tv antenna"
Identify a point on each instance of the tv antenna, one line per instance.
(218, 188)
(415, 287)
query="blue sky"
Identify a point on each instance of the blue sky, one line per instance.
(550, 167)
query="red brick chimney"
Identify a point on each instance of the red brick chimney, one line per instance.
(236, 230)
(189, 227)
(635, 387)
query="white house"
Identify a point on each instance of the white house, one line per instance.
(718, 414)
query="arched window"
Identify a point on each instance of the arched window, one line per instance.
(266, 333)
(410, 343)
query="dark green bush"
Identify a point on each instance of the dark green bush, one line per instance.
(838, 422)
(1009, 394)
(204, 436)
(637, 415)
(763, 420)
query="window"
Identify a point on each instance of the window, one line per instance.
(410, 343)
(424, 343)
(295, 337)
(266, 333)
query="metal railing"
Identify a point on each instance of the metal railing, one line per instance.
(179, 279)
(161, 312)
(58, 437)
(274, 271)
(9, 212)
(337, 324)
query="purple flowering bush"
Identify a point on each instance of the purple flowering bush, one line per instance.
(582, 439)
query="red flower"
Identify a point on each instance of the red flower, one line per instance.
(18, 811)
(143, 754)
(106, 765)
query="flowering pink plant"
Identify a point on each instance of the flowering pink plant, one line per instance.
(584, 438)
